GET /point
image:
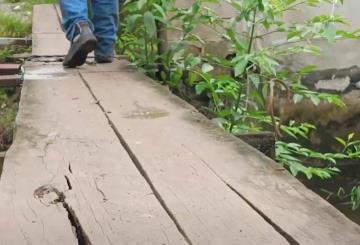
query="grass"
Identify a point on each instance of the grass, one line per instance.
(7, 52)
(13, 26)
(28, 4)
(9, 105)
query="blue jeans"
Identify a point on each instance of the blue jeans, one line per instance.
(103, 20)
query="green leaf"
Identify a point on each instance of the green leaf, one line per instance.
(206, 68)
(341, 141)
(330, 32)
(255, 79)
(131, 22)
(200, 88)
(298, 98)
(141, 4)
(315, 100)
(149, 23)
(351, 136)
(240, 66)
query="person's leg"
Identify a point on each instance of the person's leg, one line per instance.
(73, 11)
(105, 17)
(79, 31)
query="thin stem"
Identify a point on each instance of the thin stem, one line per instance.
(238, 100)
(252, 35)
(251, 40)
(146, 48)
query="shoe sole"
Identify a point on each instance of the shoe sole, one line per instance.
(79, 58)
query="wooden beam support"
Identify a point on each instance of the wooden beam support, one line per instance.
(10, 80)
(10, 69)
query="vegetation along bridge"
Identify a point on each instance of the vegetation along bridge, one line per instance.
(103, 155)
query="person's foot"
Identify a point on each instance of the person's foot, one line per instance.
(104, 59)
(82, 44)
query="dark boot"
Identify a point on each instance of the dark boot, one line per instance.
(103, 59)
(83, 43)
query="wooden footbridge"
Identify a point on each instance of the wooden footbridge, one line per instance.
(103, 155)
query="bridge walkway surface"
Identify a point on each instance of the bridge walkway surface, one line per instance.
(104, 155)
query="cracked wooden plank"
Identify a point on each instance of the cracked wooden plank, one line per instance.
(182, 153)
(68, 172)
(24, 219)
(205, 208)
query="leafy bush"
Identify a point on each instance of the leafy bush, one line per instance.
(241, 100)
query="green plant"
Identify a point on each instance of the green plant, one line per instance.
(13, 26)
(8, 105)
(7, 52)
(28, 4)
(350, 198)
(242, 99)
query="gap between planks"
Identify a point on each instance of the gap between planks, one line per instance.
(145, 175)
(138, 165)
(285, 187)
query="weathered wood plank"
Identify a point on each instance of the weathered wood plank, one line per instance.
(48, 37)
(46, 19)
(52, 44)
(10, 81)
(10, 69)
(66, 161)
(169, 138)
(24, 219)
(206, 209)
(58, 11)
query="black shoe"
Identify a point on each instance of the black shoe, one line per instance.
(82, 44)
(104, 59)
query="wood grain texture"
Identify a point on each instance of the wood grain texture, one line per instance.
(10, 69)
(66, 160)
(108, 157)
(169, 138)
(10, 80)
(46, 20)
(48, 37)
(206, 209)
(53, 44)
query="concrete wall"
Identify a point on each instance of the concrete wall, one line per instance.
(340, 55)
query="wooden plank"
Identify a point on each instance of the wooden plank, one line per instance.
(49, 45)
(48, 37)
(5, 41)
(10, 80)
(46, 20)
(57, 68)
(58, 12)
(24, 219)
(206, 209)
(66, 161)
(10, 69)
(169, 137)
